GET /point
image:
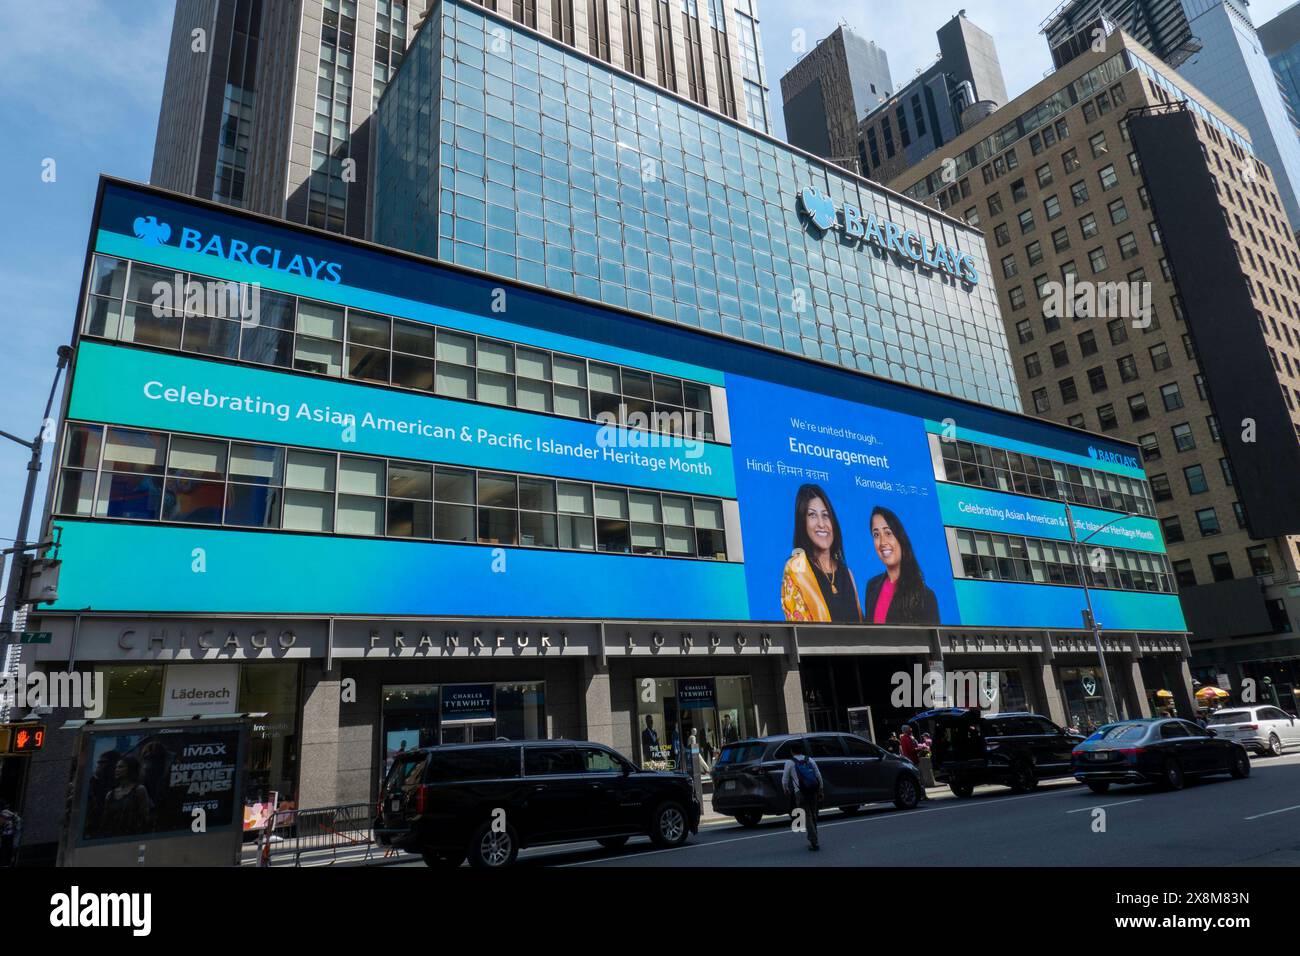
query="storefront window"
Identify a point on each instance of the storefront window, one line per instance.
(1085, 700)
(715, 710)
(271, 689)
(423, 715)
(132, 691)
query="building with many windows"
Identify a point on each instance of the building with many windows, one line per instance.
(385, 502)
(540, 163)
(1213, 45)
(267, 105)
(828, 92)
(962, 86)
(1151, 288)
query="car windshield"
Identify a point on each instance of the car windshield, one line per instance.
(1122, 732)
(740, 753)
(1231, 717)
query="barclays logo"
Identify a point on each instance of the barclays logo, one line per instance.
(1111, 457)
(149, 229)
(820, 210)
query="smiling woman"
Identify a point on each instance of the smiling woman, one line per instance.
(817, 584)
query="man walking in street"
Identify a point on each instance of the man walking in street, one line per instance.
(802, 782)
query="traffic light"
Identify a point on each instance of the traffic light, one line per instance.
(23, 738)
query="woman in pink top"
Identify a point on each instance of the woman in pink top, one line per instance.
(899, 595)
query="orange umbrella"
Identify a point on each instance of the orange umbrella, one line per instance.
(1212, 693)
(1164, 693)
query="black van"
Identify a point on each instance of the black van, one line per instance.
(1013, 749)
(487, 801)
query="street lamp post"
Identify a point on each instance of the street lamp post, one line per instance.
(1090, 619)
(21, 545)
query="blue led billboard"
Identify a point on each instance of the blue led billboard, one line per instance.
(818, 495)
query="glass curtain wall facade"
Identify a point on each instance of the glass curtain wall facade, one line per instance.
(535, 162)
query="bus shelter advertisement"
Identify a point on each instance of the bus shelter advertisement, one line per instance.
(814, 495)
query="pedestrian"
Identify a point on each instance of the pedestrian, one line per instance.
(802, 782)
(910, 749)
(11, 830)
(892, 743)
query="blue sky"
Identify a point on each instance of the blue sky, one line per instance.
(83, 89)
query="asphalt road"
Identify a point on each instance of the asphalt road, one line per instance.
(1212, 823)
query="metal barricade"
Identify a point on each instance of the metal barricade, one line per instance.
(320, 833)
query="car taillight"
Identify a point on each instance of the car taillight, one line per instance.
(419, 799)
(1131, 752)
(1076, 752)
(1249, 727)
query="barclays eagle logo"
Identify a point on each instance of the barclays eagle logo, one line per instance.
(817, 207)
(151, 230)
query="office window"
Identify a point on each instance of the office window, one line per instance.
(1088, 226)
(1097, 260)
(1172, 529)
(1052, 207)
(1184, 574)
(1044, 174)
(1117, 329)
(995, 204)
(1001, 234)
(1033, 367)
(1087, 344)
(1009, 267)
(1077, 421)
(1070, 160)
(1017, 298)
(1118, 211)
(1258, 559)
(1239, 513)
(1079, 192)
(1221, 567)
(1160, 358)
(1128, 371)
(1061, 239)
(1161, 490)
(1107, 418)
(1060, 355)
(1109, 179)
(1069, 391)
(1034, 253)
(1150, 446)
(1196, 482)
(1024, 331)
(1019, 193)
(1183, 438)
(1172, 396)
(1128, 248)
(1137, 407)
(1208, 521)
(1041, 403)
(1097, 379)
(1225, 467)
(1026, 220)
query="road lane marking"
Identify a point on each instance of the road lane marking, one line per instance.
(1105, 806)
(785, 831)
(1270, 813)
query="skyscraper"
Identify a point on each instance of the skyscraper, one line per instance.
(1281, 40)
(828, 92)
(1214, 45)
(1116, 174)
(267, 103)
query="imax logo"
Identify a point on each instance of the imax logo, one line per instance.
(1112, 458)
(149, 229)
(889, 236)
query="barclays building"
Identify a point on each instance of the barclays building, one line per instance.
(499, 149)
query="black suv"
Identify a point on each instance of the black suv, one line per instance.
(486, 801)
(1014, 749)
(747, 775)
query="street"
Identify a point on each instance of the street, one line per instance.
(1212, 823)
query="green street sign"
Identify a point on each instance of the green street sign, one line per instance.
(38, 637)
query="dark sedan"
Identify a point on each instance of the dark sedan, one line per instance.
(747, 775)
(1161, 750)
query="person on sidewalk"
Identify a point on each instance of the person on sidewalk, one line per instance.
(802, 782)
(910, 749)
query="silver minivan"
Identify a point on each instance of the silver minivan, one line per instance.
(1262, 728)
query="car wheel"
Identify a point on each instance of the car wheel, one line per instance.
(851, 811)
(1239, 765)
(1173, 778)
(1099, 786)
(907, 792)
(492, 849)
(442, 859)
(750, 818)
(1274, 746)
(613, 843)
(1023, 778)
(668, 826)
(961, 789)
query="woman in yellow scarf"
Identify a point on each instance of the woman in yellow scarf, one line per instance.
(817, 584)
